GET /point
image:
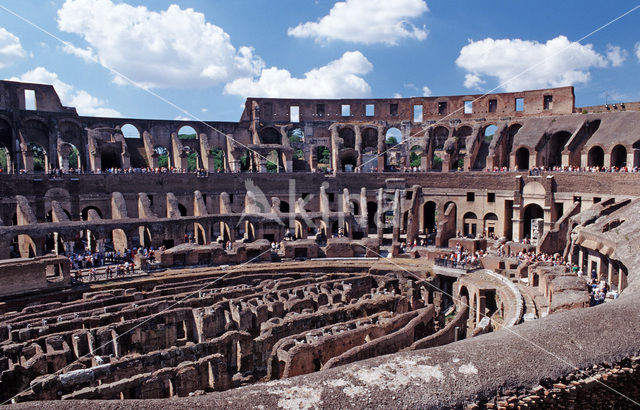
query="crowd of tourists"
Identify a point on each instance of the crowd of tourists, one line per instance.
(85, 264)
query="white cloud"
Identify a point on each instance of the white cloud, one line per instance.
(426, 91)
(637, 50)
(558, 62)
(85, 103)
(367, 22)
(340, 78)
(172, 48)
(396, 95)
(473, 81)
(182, 118)
(616, 55)
(10, 48)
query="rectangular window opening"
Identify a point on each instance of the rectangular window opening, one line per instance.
(294, 113)
(519, 104)
(330, 196)
(346, 110)
(471, 196)
(493, 105)
(369, 110)
(491, 197)
(468, 107)
(417, 113)
(393, 109)
(320, 110)
(548, 102)
(30, 100)
(442, 108)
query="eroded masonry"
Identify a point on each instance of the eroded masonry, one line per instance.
(391, 252)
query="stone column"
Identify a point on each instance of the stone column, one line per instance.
(381, 148)
(358, 147)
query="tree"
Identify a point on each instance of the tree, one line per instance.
(392, 140)
(38, 156)
(296, 135)
(323, 154)
(192, 161)
(163, 156)
(73, 158)
(414, 159)
(218, 158)
(3, 158)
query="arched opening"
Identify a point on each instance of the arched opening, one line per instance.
(284, 207)
(130, 131)
(372, 210)
(199, 234)
(69, 157)
(110, 158)
(531, 212)
(218, 157)
(502, 157)
(225, 233)
(415, 156)
(323, 156)
(163, 156)
(40, 161)
(53, 243)
(536, 280)
(187, 133)
(295, 135)
(348, 159)
(193, 160)
(49, 216)
(595, 157)
(470, 224)
(246, 162)
(522, 158)
(619, 156)
(348, 136)
(145, 236)
(440, 135)
(393, 136)
(5, 146)
(182, 209)
(555, 148)
(355, 207)
(481, 157)
(274, 163)
(490, 224)
(84, 214)
(429, 217)
(270, 136)
(22, 246)
(370, 141)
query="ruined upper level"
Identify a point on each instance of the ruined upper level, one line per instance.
(549, 101)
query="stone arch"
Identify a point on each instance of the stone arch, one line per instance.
(270, 136)
(429, 217)
(531, 211)
(372, 210)
(522, 158)
(490, 224)
(503, 154)
(323, 157)
(129, 130)
(595, 157)
(619, 156)
(40, 157)
(440, 136)
(23, 246)
(274, 162)
(470, 224)
(555, 146)
(187, 132)
(84, 214)
(393, 136)
(199, 234)
(69, 156)
(6, 145)
(370, 140)
(182, 209)
(54, 243)
(348, 136)
(36, 130)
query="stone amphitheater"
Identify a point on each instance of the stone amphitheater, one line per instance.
(382, 253)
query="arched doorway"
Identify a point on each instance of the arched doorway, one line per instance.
(440, 135)
(429, 217)
(348, 136)
(69, 157)
(40, 160)
(490, 224)
(415, 157)
(595, 157)
(470, 224)
(522, 159)
(531, 212)
(393, 136)
(372, 210)
(5, 146)
(619, 156)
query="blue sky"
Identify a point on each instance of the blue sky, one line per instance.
(208, 56)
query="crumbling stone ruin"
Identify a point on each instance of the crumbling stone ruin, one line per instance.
(271, 236)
